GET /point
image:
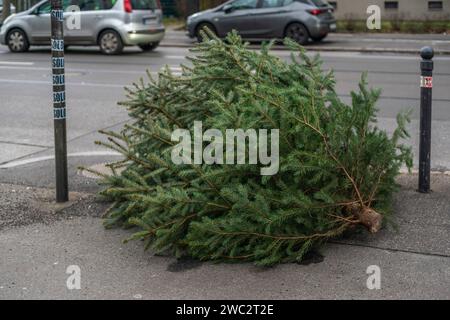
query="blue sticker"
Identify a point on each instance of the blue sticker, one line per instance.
(59, 113)
(58, 63)
(58, 80)
(59, 97)
(58, 15)
(57, 45)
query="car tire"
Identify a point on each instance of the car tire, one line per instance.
(17, 41)
(318, 39)
(200, 27)
(110, 42)
(148, 46)
(297, 32)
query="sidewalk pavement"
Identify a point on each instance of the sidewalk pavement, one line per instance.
(357, 42)
(40, 240)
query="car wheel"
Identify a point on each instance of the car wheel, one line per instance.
(318, 39)
(110, 42)
(298, 33)
(17, 41)
(148, 46)
(201, 27)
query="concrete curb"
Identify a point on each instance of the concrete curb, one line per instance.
(328, 49)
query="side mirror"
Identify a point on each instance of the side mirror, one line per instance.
(228, 8)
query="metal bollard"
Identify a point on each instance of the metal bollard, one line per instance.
(59, 100)
(426, 87)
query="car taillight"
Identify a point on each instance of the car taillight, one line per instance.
(316, 12)
(127, 6)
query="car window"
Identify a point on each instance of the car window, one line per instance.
(245, 4)
(272, 3)
(107, 4)
(278, 3)
(320, 3)
(45, 8)
(144, 4)
(92, 5)
(68, 3)
(89, 5)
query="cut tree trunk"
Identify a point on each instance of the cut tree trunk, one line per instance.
(367, 217)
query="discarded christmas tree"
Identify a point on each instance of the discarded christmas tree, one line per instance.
(336, 169)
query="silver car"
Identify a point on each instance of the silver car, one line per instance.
(111, 24)
(300, 20)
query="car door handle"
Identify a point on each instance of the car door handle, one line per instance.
(98, 16)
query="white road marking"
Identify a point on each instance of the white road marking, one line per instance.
(175, 57)
(90, 71)
(87, 71)
(82, 84)
(16, 63)
(19, 163)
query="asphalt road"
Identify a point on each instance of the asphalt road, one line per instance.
(95, 83)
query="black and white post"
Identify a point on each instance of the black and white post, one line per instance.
(59, 100)
(426, 87)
